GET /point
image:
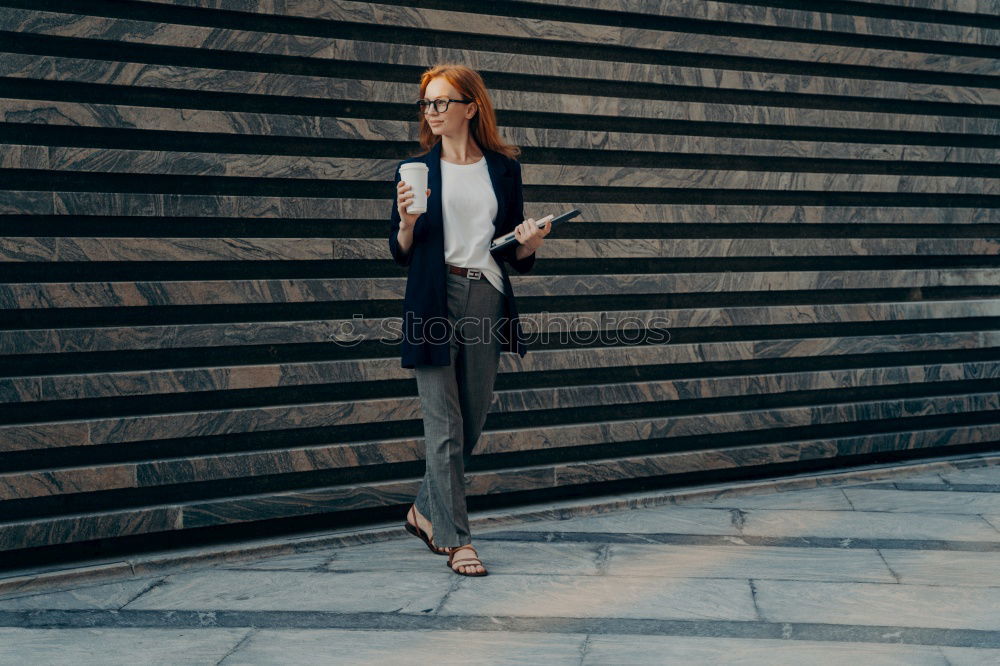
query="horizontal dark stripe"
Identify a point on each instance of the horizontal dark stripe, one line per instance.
(204, 142)
(127, 360)
(28, 363)
(396, 621)
(902, 12)
(42, 272)
(44, 180)
(675, 538)
(560, 12)
(44, 318)
(296, 25)
(104, 226)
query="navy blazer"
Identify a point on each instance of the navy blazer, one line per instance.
(426, 298)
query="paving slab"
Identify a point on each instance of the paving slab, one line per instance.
(777, 522)
(300, 562)
(869, 525)
(932, 501)
(819, 499)
(268, 647)
(944, 567)
(626, 597)
(935, 479)
(638, 521)
(374, 591)
(117, 646)
(880, 604)
(979, 476)
(690, 561)
(106, 595)
(971, 656)
(756, 652)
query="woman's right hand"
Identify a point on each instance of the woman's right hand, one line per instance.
(404, 197)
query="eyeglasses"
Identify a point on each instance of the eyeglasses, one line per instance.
(440, 104)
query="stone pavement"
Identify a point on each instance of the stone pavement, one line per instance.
(891, 569)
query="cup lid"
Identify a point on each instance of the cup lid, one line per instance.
(414, 165)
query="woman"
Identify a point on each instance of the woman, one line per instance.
(474, 195)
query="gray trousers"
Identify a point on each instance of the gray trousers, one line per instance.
(454, 400)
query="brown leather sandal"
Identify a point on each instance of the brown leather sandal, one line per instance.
(415, 530)
(468, 562)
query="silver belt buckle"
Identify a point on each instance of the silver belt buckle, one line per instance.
(473, 273)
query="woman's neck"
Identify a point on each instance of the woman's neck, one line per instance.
(460, 152)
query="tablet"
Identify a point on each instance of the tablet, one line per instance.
(508, 240)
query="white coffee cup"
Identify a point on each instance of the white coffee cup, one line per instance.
(415, 175)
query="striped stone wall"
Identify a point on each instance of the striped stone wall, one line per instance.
(194, 197)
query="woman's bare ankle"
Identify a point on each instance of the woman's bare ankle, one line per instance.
(422, 522)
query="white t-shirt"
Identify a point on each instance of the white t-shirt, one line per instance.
(469, 204)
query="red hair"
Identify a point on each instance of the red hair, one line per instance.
(482, 126)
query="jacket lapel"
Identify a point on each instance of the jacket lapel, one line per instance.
(501, 180)
(433, 161)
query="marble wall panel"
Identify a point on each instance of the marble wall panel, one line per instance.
(81, 527)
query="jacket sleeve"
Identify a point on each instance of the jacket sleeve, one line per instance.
(397, 254)
(517, 212)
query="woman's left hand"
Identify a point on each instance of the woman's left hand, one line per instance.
(530, 235)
